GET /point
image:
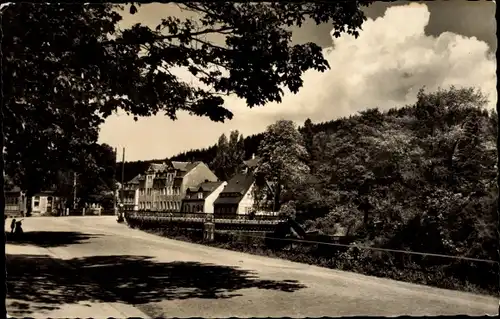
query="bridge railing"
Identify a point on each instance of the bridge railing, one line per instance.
(164, 218)
(264, 217)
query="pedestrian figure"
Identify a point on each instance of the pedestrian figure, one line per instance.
(19, 228)
(12, 226)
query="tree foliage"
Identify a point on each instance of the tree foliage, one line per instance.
(282, 159)
(67, 67)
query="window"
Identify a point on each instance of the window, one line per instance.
(200, 195)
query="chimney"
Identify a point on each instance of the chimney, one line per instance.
(253, 156)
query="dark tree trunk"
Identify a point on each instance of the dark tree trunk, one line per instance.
(2, 160)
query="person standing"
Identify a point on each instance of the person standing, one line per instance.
(12, 226)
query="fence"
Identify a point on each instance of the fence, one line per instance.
(269, 216)
(197, 221)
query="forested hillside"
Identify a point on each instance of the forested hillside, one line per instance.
(420, 178)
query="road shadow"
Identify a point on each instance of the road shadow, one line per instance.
(128, 279)
(48, 239)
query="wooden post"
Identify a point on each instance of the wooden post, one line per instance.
(208, 231)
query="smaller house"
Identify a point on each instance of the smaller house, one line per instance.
(15, 202)
(45, 203)
(236, 198)
(201, 198)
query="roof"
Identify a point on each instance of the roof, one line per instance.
(180, 165)
(228, 200)
(15, 189)
(240, 184)
(185, 166)
(252, 163)
(45, 193)
(184, 169)
(206, 187)
(135, 180)
(157, 167)
(210, 186)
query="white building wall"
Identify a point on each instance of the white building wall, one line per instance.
(43, 205)
(247, 202)
(136, 199)
(209, 201)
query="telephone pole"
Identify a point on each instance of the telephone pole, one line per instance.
(114, 181)
(123, 177)
(74, 190)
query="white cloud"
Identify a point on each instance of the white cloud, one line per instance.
(385, 67)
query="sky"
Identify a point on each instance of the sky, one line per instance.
(402, 48)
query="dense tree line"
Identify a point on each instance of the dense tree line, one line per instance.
(419, 178)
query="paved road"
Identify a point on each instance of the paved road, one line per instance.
(94, 267)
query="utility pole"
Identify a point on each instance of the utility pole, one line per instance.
(123, 177)
(74, 190)
(114, 181)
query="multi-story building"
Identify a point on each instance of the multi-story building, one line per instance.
(130, 194)
(201, 199)
(163, 186)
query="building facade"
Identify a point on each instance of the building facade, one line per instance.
(15, 202)
(236, 198)
(46, 203)
(164, 186)
(201, 199)
(130, 194)
(239, 195)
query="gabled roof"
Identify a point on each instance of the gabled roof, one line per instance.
(180, 165)
(206, 187)
(184, 169)
(185, 166)
(157, 167)
(45, 193)
(209, 187)
(135, 180)
(252, 163)
(239, 184)
(14, 189)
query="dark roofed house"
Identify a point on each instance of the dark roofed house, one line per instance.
(202, 197)
(236, 198)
